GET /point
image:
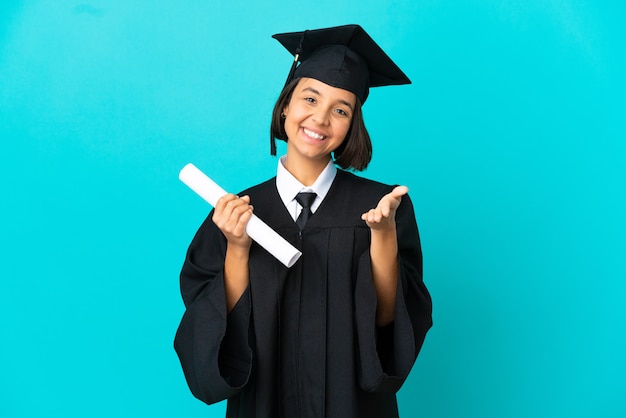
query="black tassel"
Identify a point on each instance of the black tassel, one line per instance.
(296, 58)
(272, 146)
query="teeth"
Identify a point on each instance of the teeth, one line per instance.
(313, 134)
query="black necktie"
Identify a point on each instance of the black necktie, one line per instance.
(305, 199)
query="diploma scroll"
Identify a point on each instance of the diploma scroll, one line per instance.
(258, 230)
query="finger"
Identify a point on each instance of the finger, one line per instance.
(387, 204)
(235, 210)
(219, 208)
(399, 191)
(373, 216)
(242, 222)
(233, 204)
(392, 200)
(228, 198)
(227, 207)
(385, 209)
(223, 201)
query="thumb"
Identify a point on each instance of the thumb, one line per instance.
(399, 191)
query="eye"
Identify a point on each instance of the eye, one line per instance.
(341, 112)
(310, 99)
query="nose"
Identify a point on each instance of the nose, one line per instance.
(321, 116)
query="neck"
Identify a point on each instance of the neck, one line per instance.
(305, 170)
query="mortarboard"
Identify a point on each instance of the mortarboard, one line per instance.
(343, 56)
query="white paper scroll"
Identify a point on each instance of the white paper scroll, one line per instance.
(258, 230)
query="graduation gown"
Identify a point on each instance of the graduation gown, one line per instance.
(303, 342)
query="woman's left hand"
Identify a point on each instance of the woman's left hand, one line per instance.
(383, 216)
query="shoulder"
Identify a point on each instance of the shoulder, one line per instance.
(351, 195)
(360, 188)
(361, 185)
(260, 189)
(265, 198)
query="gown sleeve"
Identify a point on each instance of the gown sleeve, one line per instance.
(386, 354)
(213, 346)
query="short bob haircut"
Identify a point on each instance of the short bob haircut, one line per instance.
(354, 153)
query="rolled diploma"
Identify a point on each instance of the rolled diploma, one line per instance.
(258, 230)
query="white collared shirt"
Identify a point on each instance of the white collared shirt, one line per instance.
(288, 187)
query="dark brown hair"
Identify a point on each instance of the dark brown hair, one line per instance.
(354, 153)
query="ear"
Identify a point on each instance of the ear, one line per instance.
(285, 111)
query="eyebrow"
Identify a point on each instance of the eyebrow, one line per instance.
(312, 90)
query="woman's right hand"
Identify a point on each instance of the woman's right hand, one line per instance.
(231, 216)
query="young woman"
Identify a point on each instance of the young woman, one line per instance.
(337, 334)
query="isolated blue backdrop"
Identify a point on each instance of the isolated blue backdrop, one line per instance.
(511, 139)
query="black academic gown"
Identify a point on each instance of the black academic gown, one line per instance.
(302, 342)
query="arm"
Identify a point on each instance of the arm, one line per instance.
(231, 216)
(386, 363)
(384, 253)
(212, 339)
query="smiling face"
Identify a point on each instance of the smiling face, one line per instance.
(317, 120)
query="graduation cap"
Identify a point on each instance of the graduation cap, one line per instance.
(343, 56)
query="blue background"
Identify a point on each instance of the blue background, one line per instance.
(511, 139)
